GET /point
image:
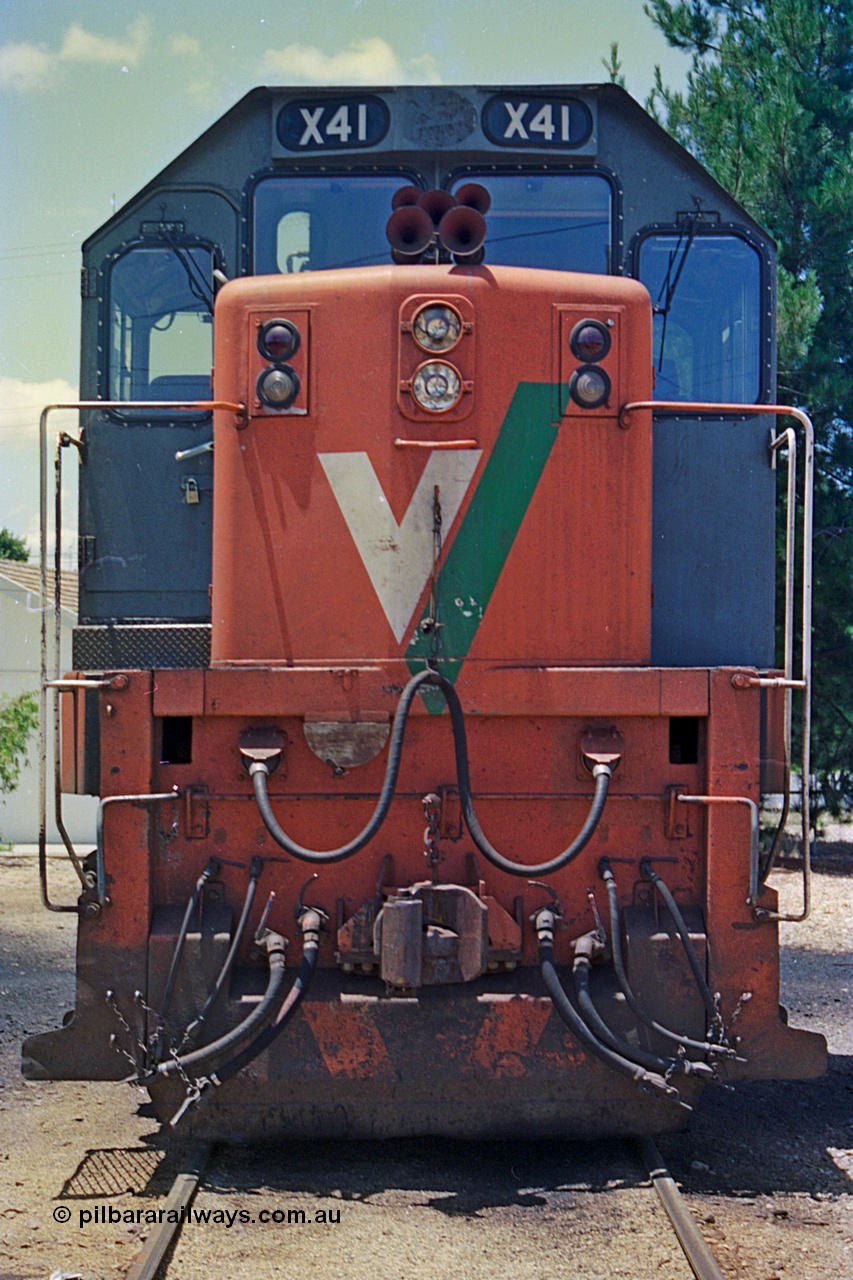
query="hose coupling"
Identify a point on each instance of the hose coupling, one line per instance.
(545, 920)
(312, 921)
(590, 947)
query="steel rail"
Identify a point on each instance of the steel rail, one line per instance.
(154, 1251)
(702, 1262)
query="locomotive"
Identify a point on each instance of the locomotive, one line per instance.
(426, 659)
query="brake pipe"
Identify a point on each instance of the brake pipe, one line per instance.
(263, 763)
(649, 873)
(254, 875)
(206, 875)
(274, 945)
(544, 921)
(585, 949)
(311, 922)
(633, 1003)
(602, 773)
(260, 769)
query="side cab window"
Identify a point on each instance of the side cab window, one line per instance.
(706, 290)
(160, 303)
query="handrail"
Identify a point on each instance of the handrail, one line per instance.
(55, 684)
(705, 409)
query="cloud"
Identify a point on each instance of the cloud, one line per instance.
(368, 61)
(184, 46)
(20, 405)
(25, 66)
(28, 67)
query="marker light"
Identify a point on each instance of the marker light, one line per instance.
(278, 387)
(436, 386)
(437, 327)
(590, 340)
(278, 340)
(589, 387)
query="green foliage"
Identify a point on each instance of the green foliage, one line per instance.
(18, 719)
(613, 66)
(12, 548)
(768, 110)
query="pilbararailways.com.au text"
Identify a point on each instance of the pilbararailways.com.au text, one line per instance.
(110, 1215)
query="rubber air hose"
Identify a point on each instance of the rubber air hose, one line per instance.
(602, 774)
(259, 772)
(633, 1052)
(698, 1046)
(581, 1031)
(689, 950)
(181, 1064)
(197, 1023)
(310, 925)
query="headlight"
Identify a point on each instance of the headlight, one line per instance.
(278, 387)
(436, 386)
(278, 340)
(437, 327)
(590, 341)
(589, 387)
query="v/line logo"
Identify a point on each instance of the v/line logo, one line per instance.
(399, 557)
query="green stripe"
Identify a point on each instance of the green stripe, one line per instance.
(480, 549)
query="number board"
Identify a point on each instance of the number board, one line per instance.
(561, 124)
(339, 124)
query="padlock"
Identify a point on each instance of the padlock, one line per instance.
(190, 488)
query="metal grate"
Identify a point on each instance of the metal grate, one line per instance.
(137, 647)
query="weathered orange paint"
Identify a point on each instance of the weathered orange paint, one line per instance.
(289, 584)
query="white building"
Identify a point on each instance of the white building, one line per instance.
(20, 639)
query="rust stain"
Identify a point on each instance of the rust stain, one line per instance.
(349, 1042)
(509, 1035)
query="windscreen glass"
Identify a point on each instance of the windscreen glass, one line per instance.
(561, 221)
(706, 294)
(313, 224)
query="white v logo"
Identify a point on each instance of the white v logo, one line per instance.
(398, 558)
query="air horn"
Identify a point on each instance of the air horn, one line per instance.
(422, 219)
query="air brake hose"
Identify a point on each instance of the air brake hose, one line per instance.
(599, 1028)
(259, 772)
(699, 1046)
(689, 949)
(310, 922)
(197, 1023)
(206, 875)
(602, 774)
(577, 1025)
(181, 1064)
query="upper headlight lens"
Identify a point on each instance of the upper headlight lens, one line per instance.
(437, 327)
(590, 340)
(589, 387)
(278, 340)
(436, 386)
(278, 387)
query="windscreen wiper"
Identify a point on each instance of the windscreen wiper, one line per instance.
(675, 266)
(199, 286)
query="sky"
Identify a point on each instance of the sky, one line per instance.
(97, 96)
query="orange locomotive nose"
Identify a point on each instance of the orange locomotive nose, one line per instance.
(542, 553)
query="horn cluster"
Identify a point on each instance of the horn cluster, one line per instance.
(424, 220)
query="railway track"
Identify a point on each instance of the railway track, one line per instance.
(658, 1186)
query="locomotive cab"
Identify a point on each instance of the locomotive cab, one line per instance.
(427, 699)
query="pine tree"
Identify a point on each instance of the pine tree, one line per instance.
(768, 110)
